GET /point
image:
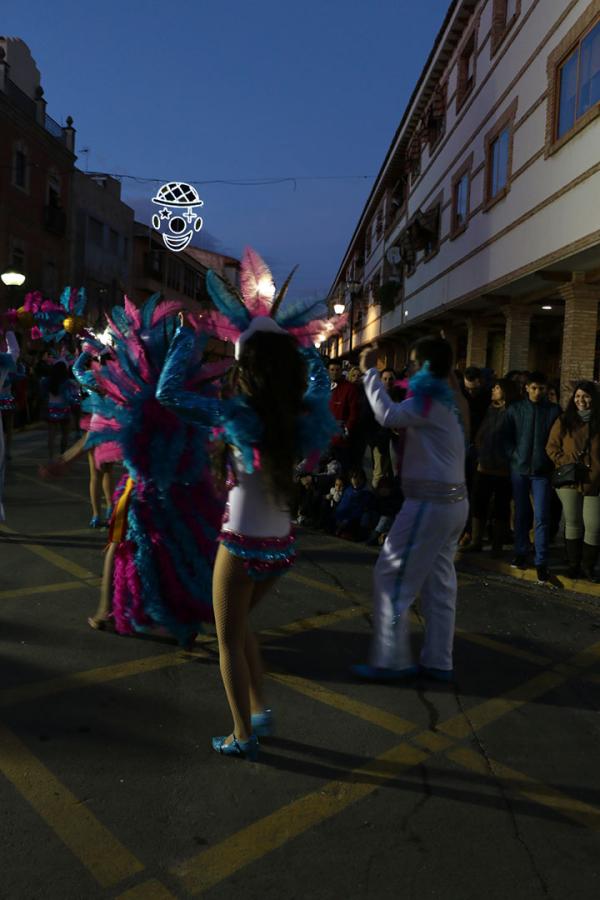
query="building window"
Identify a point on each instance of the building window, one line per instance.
(579, 82)
(466, 69)
(498, 156)
(17, 255)
(173, 274)
(20, 166)
(432, 220)
(379, 224)
(53, 190)
(113, 241)
(189, 281)
(574, 80)
(504, 15)
(461, 189)
(125, 247)
(499, 163)
(96, 232)
(368, 242)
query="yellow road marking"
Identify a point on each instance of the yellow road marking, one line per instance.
(51, 486)
(313, 622)
(460, 726)
(493, 644)
(580, 812)
(100, 852)
(149, 890)
(40, 589)
(211, 866)
(26, 692)
(315, 691)
(55, 559)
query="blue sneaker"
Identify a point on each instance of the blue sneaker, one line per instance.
(244, 749)
(444, 675)
(375, 673)
(262, 723)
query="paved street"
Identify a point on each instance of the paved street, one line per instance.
(109, 788)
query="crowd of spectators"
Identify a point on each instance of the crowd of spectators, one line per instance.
(532, 468)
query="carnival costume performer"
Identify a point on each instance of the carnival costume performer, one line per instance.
(417, 558)
(8, 365)
(278, 415)
(101, 473)
(164, 527)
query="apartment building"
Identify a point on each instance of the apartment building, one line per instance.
(484, 220)
(36, 167)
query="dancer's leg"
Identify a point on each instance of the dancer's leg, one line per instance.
(51, 439)
(108, 485)
(65, 431)
(8, 432)
(105, 604)
(232, 595)
(252, 651)
(94, 485)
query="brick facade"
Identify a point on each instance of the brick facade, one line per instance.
(579, 335)
(516, 337)
(477, 342)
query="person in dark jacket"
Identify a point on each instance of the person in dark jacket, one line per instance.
(491, 484)
(527, 425)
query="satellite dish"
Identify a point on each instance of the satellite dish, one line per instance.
(393, 255)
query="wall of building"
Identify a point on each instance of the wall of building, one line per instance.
(550, 210)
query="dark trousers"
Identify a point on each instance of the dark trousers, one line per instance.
(488, 488)
(541, 490)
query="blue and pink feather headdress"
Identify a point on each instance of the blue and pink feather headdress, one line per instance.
(258, 306)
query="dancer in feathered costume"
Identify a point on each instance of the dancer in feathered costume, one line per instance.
(162, 539)
(278, 415)
(8, 361)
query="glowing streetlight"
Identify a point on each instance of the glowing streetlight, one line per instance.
(339, 308)
(11, 278)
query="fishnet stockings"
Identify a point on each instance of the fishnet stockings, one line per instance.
(234, 595)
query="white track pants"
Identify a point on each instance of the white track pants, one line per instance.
(417, 559)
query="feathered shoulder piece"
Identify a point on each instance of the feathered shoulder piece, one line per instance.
(426, 386)
(259, 306)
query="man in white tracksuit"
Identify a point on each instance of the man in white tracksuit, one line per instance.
(417, 558)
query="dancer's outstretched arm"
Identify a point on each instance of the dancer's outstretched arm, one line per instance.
(171, 384)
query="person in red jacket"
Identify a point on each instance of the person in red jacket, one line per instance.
(344, 403)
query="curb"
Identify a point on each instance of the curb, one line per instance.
(479, 562)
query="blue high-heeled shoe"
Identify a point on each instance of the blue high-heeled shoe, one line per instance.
(244, 749)
(96, 522)
(107, 516)
(262, 723)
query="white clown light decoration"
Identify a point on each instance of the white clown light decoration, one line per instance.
(176, 220)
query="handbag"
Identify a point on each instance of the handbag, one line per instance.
(573, 473)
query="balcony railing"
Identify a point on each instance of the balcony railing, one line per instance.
(52, 126)
(27, 105)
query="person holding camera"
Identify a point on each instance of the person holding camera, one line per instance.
(574, 448)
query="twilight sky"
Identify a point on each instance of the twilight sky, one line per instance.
(199, 91)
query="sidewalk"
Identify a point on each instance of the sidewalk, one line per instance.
(471, 562)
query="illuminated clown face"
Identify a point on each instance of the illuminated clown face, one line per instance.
(176, 219)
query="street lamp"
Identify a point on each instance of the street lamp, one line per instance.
(11, 278)
(339, 308)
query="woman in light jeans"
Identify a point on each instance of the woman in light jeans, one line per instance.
(575, 440)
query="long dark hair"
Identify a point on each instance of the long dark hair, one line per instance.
(58, 375)
(271, 373)
(509, 388)
(571, 420)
